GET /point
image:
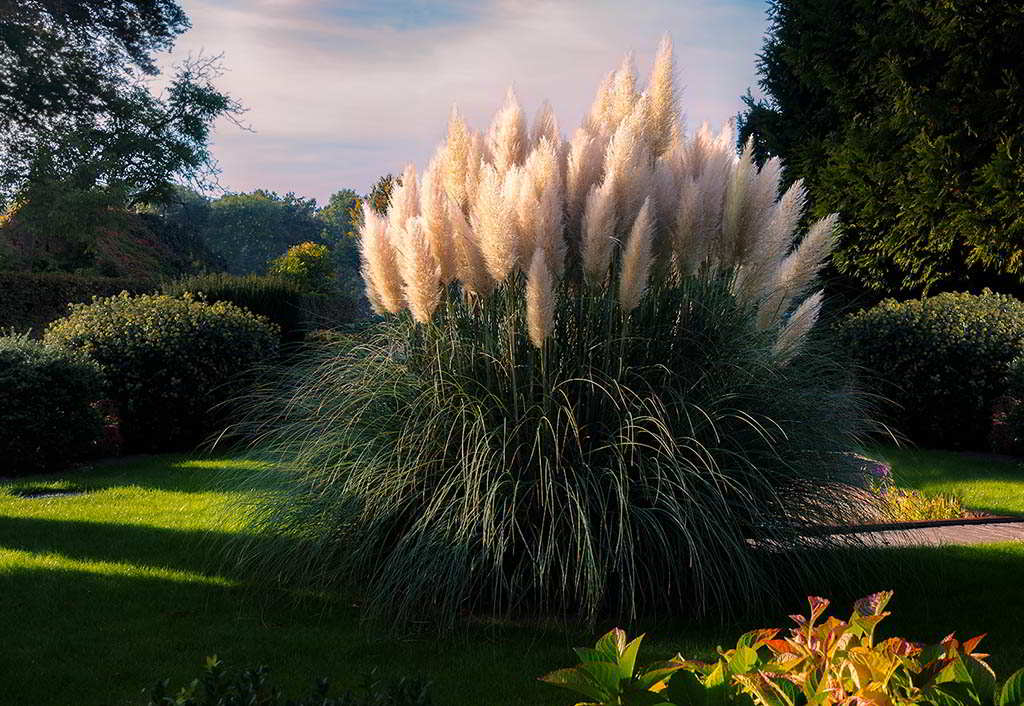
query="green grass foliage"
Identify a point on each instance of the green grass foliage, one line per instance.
(277, 298)
(943, 361)
(454, 466)
(167, 361)
(47, 418)
(31, 300)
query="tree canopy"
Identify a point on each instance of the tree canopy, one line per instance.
(77, 113)
(907, 117)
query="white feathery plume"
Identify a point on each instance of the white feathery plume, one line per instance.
(623, 95)
(545, 125)
(736, 212)
(543, 167)
(583, 170)
(379, 264)
(477, 156)
(799, 270)
(668, 179)
(456, 158)
(596, 122)
(775, 236)
(798, 326)
(420, 271)
(405, 200)
(540, 299)
(688, 248)
(470, 268)
(508, 138)
(548, 228)
(636, 261)
(598, 232)
(628, 166)
(433, 207)
(494, 224)
(664, 111)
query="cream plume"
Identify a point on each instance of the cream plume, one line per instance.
(664, 110)
(508, 139)
(798, 326)
(470, 267)
(799, 270)
(636, 261)
(623, 95)
(736, 212)
(420, 272)
(456, 158)
(545, 125)
(540, 299)
(548, 228)
(597, 119)
(435, 218)
(494, 224)
(583, 170)
(380, 262)
(598, 232)
(405, 200)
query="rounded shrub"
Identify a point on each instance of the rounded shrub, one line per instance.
(277, 298)
(592, 389)
(942, 360)
(1007, 434)
(48, 414)
(167, 361)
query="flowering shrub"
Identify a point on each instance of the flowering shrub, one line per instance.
(593, 378)
(167, 361)
(824, 663)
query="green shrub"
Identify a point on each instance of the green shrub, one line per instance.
(167, 361)
(221, 686)
(817, 663)
(31, 300)
(276, 298)
(48, 416)
(942, 359)
(309, 266)
(1007, 435)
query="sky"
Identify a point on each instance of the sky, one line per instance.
(341, 92)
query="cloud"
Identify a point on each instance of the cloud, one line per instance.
(342, 92)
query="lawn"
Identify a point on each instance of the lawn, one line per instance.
(108, 591)
(991, 483)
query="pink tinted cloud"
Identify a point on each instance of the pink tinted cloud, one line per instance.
(336, 101)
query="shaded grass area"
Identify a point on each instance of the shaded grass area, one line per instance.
(994, 484)
(108, 591)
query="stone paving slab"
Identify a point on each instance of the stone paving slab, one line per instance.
(949, 534)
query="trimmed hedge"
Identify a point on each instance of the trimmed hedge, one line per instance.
(167, 361)
(943, 359)
(48, 415)
(31, 300)
(276, 298)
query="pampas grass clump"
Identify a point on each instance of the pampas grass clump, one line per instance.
(594, 388)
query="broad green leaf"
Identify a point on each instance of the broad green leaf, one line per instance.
(1012, 693)
(627, 660)
(611, 644)
(604, 675)
(659, 671)
(577, 681)
(983, 678)
(873, 604)
(742, 660)
(587, 654)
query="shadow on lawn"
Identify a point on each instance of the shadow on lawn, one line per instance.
(178, 473)
(181, 550)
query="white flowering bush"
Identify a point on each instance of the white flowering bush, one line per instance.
(594, 388)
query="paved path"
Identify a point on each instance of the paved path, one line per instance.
(948, 534)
